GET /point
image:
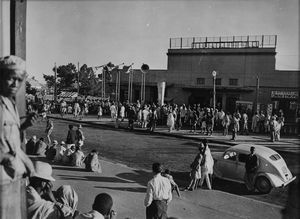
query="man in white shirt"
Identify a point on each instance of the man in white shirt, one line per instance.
(159, 194)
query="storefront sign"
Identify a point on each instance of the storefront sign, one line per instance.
(284, 94)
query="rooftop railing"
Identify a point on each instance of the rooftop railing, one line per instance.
(257, 41)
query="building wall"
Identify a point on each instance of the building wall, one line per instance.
(243, 64)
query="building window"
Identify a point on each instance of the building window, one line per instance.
(218, 81)
(233, 81)
(200, 80)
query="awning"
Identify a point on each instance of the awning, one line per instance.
(66, 94)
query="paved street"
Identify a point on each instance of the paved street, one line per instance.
(138, 150)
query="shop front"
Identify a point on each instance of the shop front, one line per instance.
(288, 102)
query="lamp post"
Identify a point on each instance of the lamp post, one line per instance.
(214, 74)
(144, 70)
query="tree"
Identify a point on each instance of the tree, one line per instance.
(89, 84)
(66, 75)
(67, 79)
(50, 80)
(30, 89)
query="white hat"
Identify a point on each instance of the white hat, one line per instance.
(43, 170)
(12, 63)
(55, 142)
(62, 142)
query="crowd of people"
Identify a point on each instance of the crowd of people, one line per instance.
(194, 117)
(67, 152)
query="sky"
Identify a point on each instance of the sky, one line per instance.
(121, 31)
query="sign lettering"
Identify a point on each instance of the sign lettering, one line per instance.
(285, 94)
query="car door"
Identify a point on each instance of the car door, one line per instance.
(228, 164)
(240, 171)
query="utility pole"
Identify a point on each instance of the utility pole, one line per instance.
(257, 94)
(78, 79)
(55, 87)
(214, 74)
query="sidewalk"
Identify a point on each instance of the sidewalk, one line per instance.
(288, 144)
(127, 186)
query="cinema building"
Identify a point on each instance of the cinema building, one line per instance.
(246, 75)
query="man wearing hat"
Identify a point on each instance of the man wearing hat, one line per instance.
(14, 163)
(159, 194)
(40, 185)
(251, 166)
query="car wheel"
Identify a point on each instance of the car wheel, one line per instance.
(263, 185)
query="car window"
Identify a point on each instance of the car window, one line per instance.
(275, 157)
(242, 158)
(230, 155)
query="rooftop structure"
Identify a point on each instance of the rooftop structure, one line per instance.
(254, 41)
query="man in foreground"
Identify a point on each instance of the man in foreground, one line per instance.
(14, 163)
(159, 194)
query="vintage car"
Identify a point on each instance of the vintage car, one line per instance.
(272, 171)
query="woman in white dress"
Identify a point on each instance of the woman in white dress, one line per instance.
(207, 166)
(171, 120)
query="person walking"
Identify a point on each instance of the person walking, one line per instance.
(226, 124)
(159, 194)
(76, 109)
(131, 117)
(79, 136)
(251, 166)
(195, 173)
(71, 137)
(170, 120)
(122, 112)
(245, 124)
(235, 126)
(100, 112)
(207, 165)
(49, 129)
(113, 111)
(174, 185)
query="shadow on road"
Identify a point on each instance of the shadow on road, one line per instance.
(93, 178)
(139, 176)
(125, 189)
(69, 168)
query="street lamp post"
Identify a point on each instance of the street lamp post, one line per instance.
(214, 74)
(144, 70)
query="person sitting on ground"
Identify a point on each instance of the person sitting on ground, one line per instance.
(77, 157)
(174, 185)
(67, 196)
(92, 162)
(51, 151)
(40, 185)
(102, 208)
(30, 145)
(59, 153)
(40, 147)
(67, 157)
